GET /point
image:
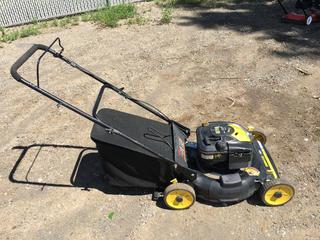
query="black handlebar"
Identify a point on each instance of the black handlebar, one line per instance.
(15, 67)
(47, 49)
(94, 118)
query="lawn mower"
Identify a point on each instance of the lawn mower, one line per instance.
(310, 12)
(227, 164)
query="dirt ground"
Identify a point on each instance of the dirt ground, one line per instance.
(190, 69)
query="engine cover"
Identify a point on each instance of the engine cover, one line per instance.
(224, 142)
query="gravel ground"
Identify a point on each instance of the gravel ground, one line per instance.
(190, 69)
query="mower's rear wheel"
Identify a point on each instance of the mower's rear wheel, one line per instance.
(259, 136)
(179, 196)
(276, 192)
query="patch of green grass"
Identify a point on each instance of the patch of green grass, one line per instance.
(166, 15)
(44, 24)
(166, 3)
(110, 16)
(86, 17)
(55, 23)
(64, 22)
(2, 31)
(75, 20)
(34, 21)
(140, 20)
(110, 215)
(10, 36)
(68, 20)
(29, 31)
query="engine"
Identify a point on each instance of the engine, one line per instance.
(223, 144)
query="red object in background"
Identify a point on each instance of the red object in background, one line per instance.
(299, 18)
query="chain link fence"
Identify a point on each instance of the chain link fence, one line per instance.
(16, 12)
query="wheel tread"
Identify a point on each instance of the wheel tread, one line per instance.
(267, 185)
(179, 186)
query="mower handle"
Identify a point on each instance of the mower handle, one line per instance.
(47, 49)
(15, 67)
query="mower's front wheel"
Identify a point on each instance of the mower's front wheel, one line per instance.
(276, 192)
(179, 196)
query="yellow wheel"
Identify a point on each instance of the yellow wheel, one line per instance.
(259, 136)
(276, 192)
(179, 196)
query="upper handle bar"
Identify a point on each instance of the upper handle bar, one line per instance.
(47, 49)
(15, 67)
(94, 118)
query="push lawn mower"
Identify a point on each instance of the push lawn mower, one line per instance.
(310, 12)
(227, 164)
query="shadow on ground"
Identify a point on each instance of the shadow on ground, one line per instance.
(87, 172)
(262, 16)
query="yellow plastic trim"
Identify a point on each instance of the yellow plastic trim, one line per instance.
(174, 180)
(239, 133)
(187, 199)
(286, 195)
(250, 128)
(252, 171)
(267, 162)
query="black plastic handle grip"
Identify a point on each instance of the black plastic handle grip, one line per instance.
(97, 102)
(15, 67)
